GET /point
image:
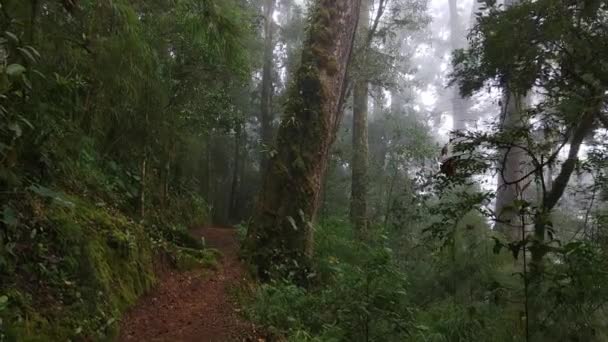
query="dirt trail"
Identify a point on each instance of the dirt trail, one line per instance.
(190, 306)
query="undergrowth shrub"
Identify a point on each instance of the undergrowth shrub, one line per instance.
(459, 291)
(72, 262)
(71, 269)
(359, 295)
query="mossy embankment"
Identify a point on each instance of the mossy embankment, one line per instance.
(70, 266)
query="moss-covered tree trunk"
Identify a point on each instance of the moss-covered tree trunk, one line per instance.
(266, 109)
(360, 161)
(280, 237)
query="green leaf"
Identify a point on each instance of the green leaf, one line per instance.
(26, 122)
(36, 72)
(16, 128)
(26, 81)
(27, 54)
(3, 302)
(33, 51)
(9, 217)
(292, 222)
(15, 70)
(11, 36)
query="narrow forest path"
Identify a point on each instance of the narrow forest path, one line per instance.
(193, 306)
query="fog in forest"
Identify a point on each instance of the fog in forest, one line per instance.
(304, 170)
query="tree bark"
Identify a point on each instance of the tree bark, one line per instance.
(558, 186)
(511, 168)
(33, 17)
(360, 161)
(280, 237)
(511, 171)
(266, 110)
(460, 106)
(142, 187)
(236, 171)
(398, 96)
(207, 186)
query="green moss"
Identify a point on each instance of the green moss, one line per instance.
(104, 263)
(87, 263)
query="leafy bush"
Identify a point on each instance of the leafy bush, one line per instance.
(360, 295)
(71, 264)
(71, 270)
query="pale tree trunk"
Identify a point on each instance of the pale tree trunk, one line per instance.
(266, 110)
(377, 156)
(460, 106)
(512, 182)
(398, 101)
(477, 4)
(360, 161)
(280, 237)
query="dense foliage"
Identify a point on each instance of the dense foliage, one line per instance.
(123, 123)
(103, 106)
(442, 270)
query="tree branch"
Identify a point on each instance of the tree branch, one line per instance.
(374, 28)
(561, 181)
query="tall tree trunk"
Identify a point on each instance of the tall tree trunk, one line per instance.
(558, 186)
(163, 184)
(167, 181)
(280, 237)
(360, 161)
(207, 187)
(266, 110)
(236, 171)
(511, 182)
(389, 196)
(460, 106)
(142, 187)
(398, 100)
(33, 17)
(477, 5)
(511, 171)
